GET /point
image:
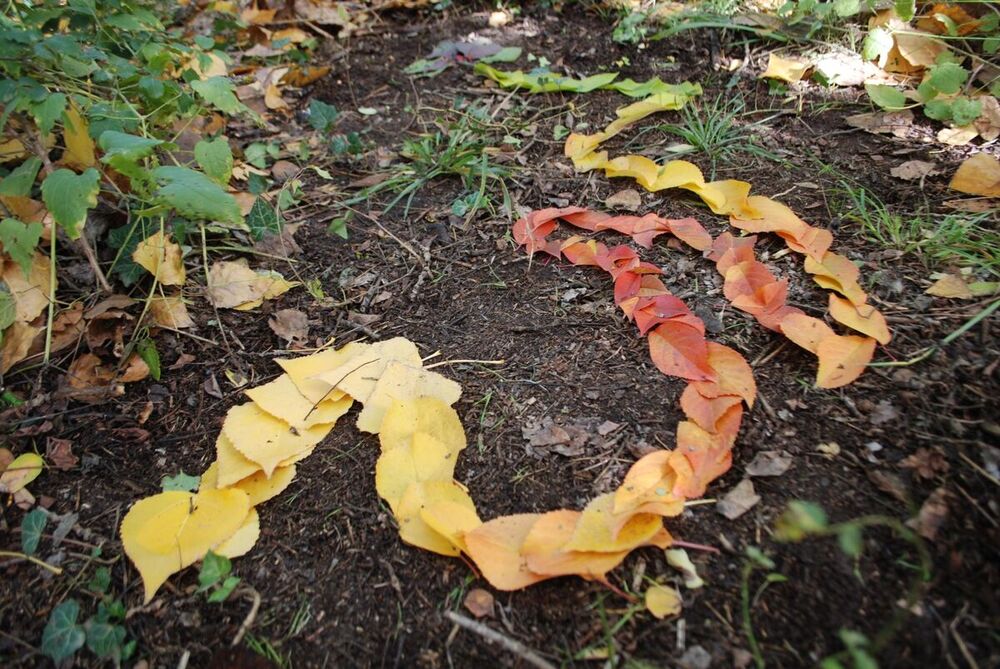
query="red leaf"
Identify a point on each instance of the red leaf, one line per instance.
(677, 349)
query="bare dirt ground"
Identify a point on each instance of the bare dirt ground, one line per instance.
(339, 588)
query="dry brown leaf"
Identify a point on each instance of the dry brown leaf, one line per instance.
(988, 123)
(30, 292)
(769, 463)
(232, 283)
(898, 123)
(932, 515)
(170, 312)
(628, 199)
(913, 169)
(738, 501)
(59, 454)
(291, 325)
(926, 463)
(920, 50)
(978, 175)
(283, 170)
(16, 343)
(479, 603)
(950, 286)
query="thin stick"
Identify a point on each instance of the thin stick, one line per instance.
(466, 362)
(492, 636)
(23, 556)
(251, 616)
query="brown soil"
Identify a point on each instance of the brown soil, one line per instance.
(329, 547)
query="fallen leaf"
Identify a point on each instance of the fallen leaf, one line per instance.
(830, 449)
(842, 358)
(291, 325)
(927, 463)
(161, 258)
(59, 453)
(932, 515)
(233, 285)
(957, 136)
(978, 175)
(22, 470)
(267, 440)
(864, 318)
(662, 601)
(786, 69)
(950, 286)
(884, 412)
(913, 169)
(898, 123)
(16, 344)
(479, 603)
(628, 199)
(170, 312)
(769, 463)
(738, 501)
(679, 560)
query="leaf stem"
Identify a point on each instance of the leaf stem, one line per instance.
(32, 559)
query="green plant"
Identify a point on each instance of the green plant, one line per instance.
(215, 576)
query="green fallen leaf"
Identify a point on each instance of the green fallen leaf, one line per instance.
(63, 636)
(21, 178)
(886, 97)
(214, 568)
(31, 530)
(183, 482)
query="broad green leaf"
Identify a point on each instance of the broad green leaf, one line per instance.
(48, 111)
(31, 530)
(19, 241)
(508, 54)
(147, 351)
(104, 639)
(948, 78)
(21, 178)
(224, 590)
(965, 110)
(8, 310)
(906, 9)
(215, 158)
(263, 218)
(219, 91)
(939, 110)
(846, 7)
(196, 196)
(214, 568)
(322, 116)
(68, 196)
(886, 97)
(182, 481)
(63, 636)
(133, 148)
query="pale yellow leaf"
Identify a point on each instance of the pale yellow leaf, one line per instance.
(358, 375)
(79, 153)
(233, 466)
(258, 487)
(24, 469)
(161, 257)
(267, 440)
(950, 286)
(428, 415)
(243, 539)
(446, 498)
(281, 398)
(400, 382)
(786, 69)
(425, 459)
(662, 601)
(304, 370)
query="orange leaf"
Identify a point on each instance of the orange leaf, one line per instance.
(601, 530)
(677, 349)
(706, 411)
(543, 549)
(864, 318)
(842, 358)
(651, 480)
(532, 230)
(835, 272)
(806, 331)
(978, 175)
(650, 312)
(495, 547)
(733, 375)
(710, 454)
(746, 279)
(775, 217)
(691, 232)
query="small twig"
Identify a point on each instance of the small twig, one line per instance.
(251, 615)
(466, 362)
(33, 560)
(492, 636)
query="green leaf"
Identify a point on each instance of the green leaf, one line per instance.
(800, 520)
(146, 349)
(508, 54)
(8, 310)
(948, 78)
(759, 557)
(48, 111)
(133, 148)
(63, 636)
(69, 195)
(224, 590)
(263, 218)
(338, 226)
(322, 116)
(939, 110)
(215, 158)
(183, 482)
(104, 639)
(220, 92)
(196, 196)
(31, 530)
(850, 540)
(214, 568)
(846, 7)
(886, 97)
(19, 241)
(965, 110)
(876, 42)
(100, 581)
(906, 9)
(21, 178)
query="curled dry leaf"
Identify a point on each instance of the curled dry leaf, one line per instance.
(30, 292)
(932, 515)
(233, 285)
(913, 169)
(16, 344)
(679, 560)
(161, 257)
(170, 312)
(769, 463)
(59, 453)
(479, 603)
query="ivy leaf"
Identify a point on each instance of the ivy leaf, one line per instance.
(104, 639)
(69, 195)
(21, 178)
(966, 110)
(196, 196)
(182, 481)
(19, 241)
(48, 111)
(63, 636)
(100, 581)
(219, 91)
(886, 97)
(31, 530)
(948, 78)
(322, 116)
(147, 351)
(262, 219)
(214, 568)
(215, 158)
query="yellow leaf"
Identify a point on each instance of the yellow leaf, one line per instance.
(920, 50)
(272, 284)
(544, 549)
(842, 358)
(414, 530)
(79, 152)
(164, 533)
(16, 344)
(428, 415)
(267, 440)
(864, 318)
(170, 312)
(243, 539)
(835, 272)
(273, 99)
(452, 520)
(357, 376)
(303, 370)
(978, 175)
(233, 285)
(651, 480)
(950, 286)
(600, 529)
(786, 69)
(425, 459)
(233, 466)
(161, 257)
(24, 469)
(495, 547)
(216, 67)
(30, 292)
(662, 601)
(805, 331)
(400, 382)
(281, 398)
(257, 486)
